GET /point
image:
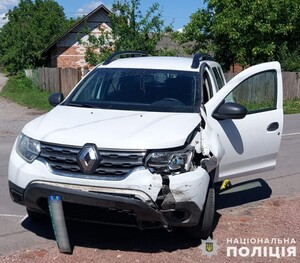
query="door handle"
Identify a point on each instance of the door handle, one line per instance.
(273, 126)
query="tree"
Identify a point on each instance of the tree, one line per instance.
(257, 30)
(249, 32)
(290, 60)
(32, 26)
(196, 35)
(131, 30)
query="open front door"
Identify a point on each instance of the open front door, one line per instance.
(251, 143)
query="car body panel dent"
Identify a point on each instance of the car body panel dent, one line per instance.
(190, 187)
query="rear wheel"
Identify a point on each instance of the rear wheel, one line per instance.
(204, 228)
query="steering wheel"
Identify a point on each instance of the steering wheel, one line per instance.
(172, 100)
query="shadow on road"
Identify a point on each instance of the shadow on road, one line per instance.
(148, 241)
(243, 193)
(100, 236)
(240, 194)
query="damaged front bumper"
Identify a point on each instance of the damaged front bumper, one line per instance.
(181, 207)
(119, 209)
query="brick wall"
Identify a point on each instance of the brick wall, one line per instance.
(236, 68)
(69, 53)
(72, 57)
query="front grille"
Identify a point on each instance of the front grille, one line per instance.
(63, 160)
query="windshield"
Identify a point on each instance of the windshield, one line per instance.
(138, 89)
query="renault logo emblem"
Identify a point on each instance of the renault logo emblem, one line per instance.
(89, 159)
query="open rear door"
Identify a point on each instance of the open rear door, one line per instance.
(252, 143)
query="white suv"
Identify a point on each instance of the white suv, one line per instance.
(141, 141)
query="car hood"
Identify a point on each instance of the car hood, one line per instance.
(113, 129)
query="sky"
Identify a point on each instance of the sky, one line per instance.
(176, 11)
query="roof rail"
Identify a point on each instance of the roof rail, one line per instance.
(200, 57)
(118, 54)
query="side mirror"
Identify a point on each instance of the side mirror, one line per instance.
(56, 99)
(230, 110)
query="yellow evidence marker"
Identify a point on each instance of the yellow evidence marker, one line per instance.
(226, 184)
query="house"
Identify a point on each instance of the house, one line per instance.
(66, 51)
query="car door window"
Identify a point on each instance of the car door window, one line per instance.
(257, 93)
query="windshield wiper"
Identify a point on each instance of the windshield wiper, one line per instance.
(81, 105)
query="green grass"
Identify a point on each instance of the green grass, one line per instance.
(21, 90)
(291, 106)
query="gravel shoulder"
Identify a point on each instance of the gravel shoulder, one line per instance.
(13, 116)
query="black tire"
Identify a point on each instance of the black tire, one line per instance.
(36, 216)
(204, 228)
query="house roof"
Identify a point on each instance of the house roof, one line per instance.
(74, 26)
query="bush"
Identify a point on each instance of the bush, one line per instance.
(290, 61)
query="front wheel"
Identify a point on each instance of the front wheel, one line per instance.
(204, 228)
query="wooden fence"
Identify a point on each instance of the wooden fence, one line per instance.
(291, 85)
(56, 79)
(64, 79)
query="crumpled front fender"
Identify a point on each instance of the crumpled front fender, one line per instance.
(190, 187)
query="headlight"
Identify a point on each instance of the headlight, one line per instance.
(28, 148)
(171, 161)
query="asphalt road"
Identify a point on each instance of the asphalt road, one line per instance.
(17, 232)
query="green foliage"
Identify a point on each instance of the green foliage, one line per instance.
(21, 90)
(167, 52)
(98, 48)
(134, 31)
(131, 30)
(32, 26)
(256, 30)
(246, 32)
(196, 32)
(290, 60)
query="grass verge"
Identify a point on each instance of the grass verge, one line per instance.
(291, 106)
(21, 90)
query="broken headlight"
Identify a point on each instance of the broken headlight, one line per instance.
(171, 161)
(28, 148)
